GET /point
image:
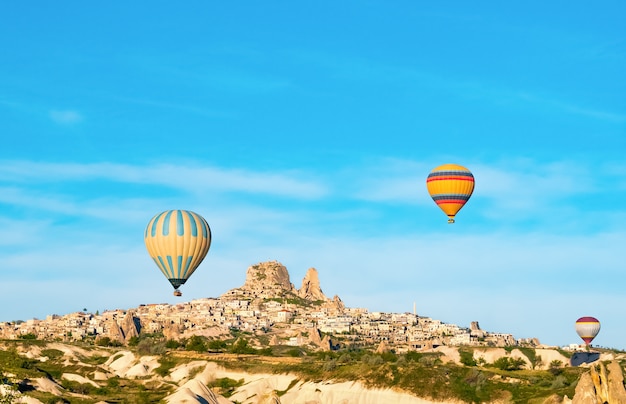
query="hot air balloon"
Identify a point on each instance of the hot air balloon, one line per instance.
(587, 328)
(177, 241)
(450, 186)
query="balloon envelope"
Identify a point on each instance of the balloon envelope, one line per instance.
(587, 328)
(450, 186)
(177, 241)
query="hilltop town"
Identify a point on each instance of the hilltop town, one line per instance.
(268, 306)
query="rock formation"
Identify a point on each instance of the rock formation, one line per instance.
(475, 330)
(131, 327)
(264, 280)
(268, 275)
(115, 332)
(172, 331)
(267, 280)
(311, 289)
(599, 386)
(382, 347)
(337, 304)
(314, 337)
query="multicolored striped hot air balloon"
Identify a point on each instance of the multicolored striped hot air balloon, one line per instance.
(587, 328)
(177, 241)
(450, 186)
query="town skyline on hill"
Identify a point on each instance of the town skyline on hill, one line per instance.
(267, 298)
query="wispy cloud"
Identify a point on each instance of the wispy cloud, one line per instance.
(194, 179)
(519, 181)
(66, 117)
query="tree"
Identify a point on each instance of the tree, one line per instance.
(507, 363)
(196, 343)
(555, 367)
(217, 345)
(241, 346)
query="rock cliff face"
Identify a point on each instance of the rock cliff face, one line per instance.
(269, 275)
(601, 385)
(311, 289)
(266, 280)
(131, 326)
(271, 279)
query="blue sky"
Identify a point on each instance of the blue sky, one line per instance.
(303, 133)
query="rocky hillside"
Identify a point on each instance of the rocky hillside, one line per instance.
(55, 372)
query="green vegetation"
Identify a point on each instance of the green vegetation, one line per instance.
(290, 298)
(28, 336)
(508, 363)
(106, 341)
(225, 386)
(167, 363)
(421, 373)
(24, 370)
(196, 343)
(467, 357)
(534, 359)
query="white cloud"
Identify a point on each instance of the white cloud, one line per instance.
(66, 117)
(194, 179)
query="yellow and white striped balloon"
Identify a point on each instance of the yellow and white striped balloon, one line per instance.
(177, 241)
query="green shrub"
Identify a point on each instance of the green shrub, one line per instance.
(241, 346)
(467, 358)
(226, 385)
(167, 363)
(294, 353)
(508, 363)
(330, 365)
(559, 382)
(113, 382)
(52, 353)
(196, 343)
(30, 335)
(106, 341)
(217, 345)
(413, 356)
(556, 367)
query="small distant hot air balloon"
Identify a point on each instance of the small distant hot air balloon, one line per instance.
(450, 186)
(587, 328)
(177, 241)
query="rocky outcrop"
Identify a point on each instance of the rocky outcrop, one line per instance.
(195, 392)
(115, 332)
(337, 304)
(382, 347)
(617, 393)
(172, 331)
(314, 337)
(270, 275)
(131, 327)
(311, 289)
(267, 280)
(600, 386)
(264, 280)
